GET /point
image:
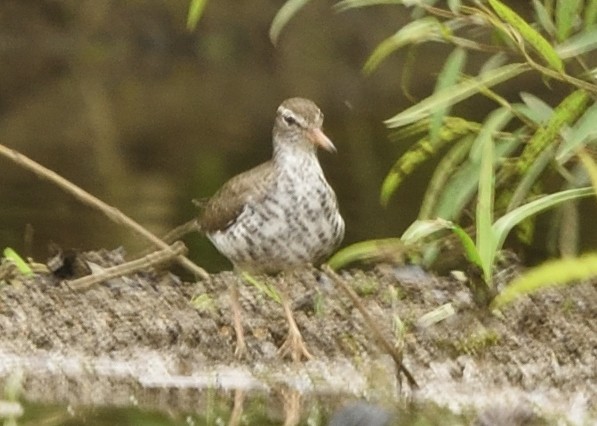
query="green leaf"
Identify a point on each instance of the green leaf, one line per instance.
(590, 17)
(447, 78)
(21, 265)
(454, 6)
(495, 122)
(471, 251)
(423, 228)
(505, 223)
(204, 303)
(196, 8)
(484, 209)
(424, 29)
(529, 178)
(550, 274)
(583, 132)
(578, 44)
(445, 169)
(286, 12)
(456, 93)
(529, 34)
(567, 11)
(367, 250)
(341, 6)
(265, 288)
(463, 185)
(423, 150)
(420, 229)
(495, 61)
(566, 113)
(544, 17)
(591, 167)
(538, 111)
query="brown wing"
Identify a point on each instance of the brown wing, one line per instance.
(224, 207)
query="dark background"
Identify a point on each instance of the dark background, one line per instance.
(120, 99)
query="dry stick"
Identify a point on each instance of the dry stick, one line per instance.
(177, 233)
(152, 259)
(371, 324)
(83, 196)
(182, 230)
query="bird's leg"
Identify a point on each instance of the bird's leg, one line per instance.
(294, 345)
(241, 347)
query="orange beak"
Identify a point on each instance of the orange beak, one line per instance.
(317, 137)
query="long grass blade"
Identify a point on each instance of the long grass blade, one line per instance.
(529, 34)
(369, 250)
(420, 229)
(544, 17)
(567, 12)
(446, 168)
(418, 31)
(470, 249)
(196, 8)
(504, 224)
(284, 15)
(455, 94)
(454, 6)
(553, 273)
(591, 167)
(537, 109)
(264, 287)
(495, 122)
(527, 180)
(494, 61)
(578, 44)
(447, 77)
(582, 133)
(421, 152)
(341, 6)
(463, 185)
(566, 113)
(18, 261)
(590, 16)
(484, 209)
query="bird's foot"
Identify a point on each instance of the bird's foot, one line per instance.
(295, 346)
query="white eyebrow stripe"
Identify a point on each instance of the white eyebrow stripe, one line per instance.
(287, 112)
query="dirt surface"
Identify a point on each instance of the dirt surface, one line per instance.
(151, 339)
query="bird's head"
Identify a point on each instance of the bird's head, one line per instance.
(298, 123)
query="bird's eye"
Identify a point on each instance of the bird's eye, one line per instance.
(289, 119)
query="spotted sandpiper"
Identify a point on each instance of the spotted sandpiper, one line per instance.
(282, 214)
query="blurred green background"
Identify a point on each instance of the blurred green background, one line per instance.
(121, 99)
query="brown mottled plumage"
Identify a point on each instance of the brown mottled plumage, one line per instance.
(225, 205)
(281, 214)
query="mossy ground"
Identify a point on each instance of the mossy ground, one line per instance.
(139, 338)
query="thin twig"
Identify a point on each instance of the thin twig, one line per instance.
(152, 259)
(182, 230)
(86, 198)
(176, 234)
(390, 349)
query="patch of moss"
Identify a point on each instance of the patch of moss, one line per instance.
(477, 342)
(204, 303)
(390, 295)
(365, 286)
